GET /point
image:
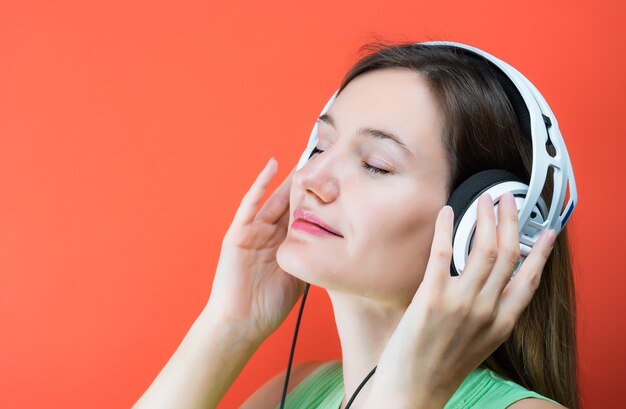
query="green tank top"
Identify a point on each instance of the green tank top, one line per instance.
(323, 389)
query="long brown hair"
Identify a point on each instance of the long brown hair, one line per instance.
(481, 131)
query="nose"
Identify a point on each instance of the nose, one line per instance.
(318, 177)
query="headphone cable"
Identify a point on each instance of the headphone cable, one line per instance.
(358, 389)
(293, 346)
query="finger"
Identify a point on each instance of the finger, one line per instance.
(277, 204)
(484, 250)
(508, 249)
(250, 201)
(438, 267)
(283, 221)
(519, 291)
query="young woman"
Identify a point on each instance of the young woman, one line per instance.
(409, 124)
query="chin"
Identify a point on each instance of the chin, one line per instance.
(304, 265)
(292, 262)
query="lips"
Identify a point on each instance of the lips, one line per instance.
(311, 218)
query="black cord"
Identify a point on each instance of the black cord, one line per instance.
(293, 345)
(356, 392)
(293, 348)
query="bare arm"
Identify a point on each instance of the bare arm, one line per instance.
(204, 366)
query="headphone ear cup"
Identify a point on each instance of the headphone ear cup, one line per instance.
(464, 201)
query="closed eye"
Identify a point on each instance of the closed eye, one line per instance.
(374, 169)
(370, 168)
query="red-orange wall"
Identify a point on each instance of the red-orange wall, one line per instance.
(130, 130)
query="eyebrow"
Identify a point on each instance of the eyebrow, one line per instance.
(375, 133)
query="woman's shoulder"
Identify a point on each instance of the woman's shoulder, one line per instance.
(268, 395)
(486, 389)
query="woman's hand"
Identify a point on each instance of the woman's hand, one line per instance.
(250, 291)
(454, 323)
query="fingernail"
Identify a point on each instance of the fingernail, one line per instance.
(550, 237)
(487, 197)
(508, 196)
(446, 212)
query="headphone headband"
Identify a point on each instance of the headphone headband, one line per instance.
(513, 94)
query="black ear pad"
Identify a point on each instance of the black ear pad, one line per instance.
(470, 190)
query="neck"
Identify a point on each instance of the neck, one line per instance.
(364, 327)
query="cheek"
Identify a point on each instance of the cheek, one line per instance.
(396, 252)
(398, 228)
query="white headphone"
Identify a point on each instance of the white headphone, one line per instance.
(534, 215)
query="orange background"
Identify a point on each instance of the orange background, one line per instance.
(130, 130)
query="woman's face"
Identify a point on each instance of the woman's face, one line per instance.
(386, 221)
